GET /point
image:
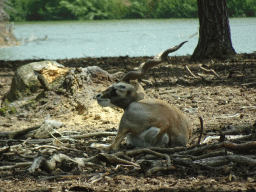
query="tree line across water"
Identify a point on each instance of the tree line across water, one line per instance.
(30, 10)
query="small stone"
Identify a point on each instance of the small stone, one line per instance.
(97, 117)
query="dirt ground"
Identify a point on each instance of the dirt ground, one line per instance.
(223, 95)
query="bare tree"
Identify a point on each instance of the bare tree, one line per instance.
(214, 33)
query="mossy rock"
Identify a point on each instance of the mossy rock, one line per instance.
(25, 81)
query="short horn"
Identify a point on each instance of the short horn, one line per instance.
(159, 58)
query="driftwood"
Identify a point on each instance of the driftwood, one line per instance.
(68, 154)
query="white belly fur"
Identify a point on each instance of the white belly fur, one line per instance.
(147, 138)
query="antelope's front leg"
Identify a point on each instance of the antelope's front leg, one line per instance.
(117, 141)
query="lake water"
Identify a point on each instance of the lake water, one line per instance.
(118, 37)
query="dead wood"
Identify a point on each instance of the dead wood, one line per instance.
(209, 71)
(36, 164)
(169, 150)
(97, 134)
(192, 74)
(201, 130)
(4, 149)
(223, 160)
(148, 151)
(159, 169)
(18, 134)
(244, 147)
(64, 153)
(113, 160)
(16, 165)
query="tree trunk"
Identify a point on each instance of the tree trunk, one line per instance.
(214, 34)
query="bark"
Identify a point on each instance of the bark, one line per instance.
(214, 33)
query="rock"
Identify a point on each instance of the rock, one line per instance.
(26, 81)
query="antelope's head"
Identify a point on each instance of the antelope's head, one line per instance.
(128, 90)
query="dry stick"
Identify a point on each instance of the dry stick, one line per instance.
(242, 160)
(201, 130)
(115, 160)
(9, 167)
(192, 73)
(122, 155)
(221, 160)
(209, 70)
(36, 164)
(24, 142)
(213, 161)
(56, 177)
(4, 149)
(251, 145)
(48, 146)
(252, 83)
(148, 151)
(158, 169)
(17, 134)
(97, 134)
(211, 154)
(168, 150)
(200, 149)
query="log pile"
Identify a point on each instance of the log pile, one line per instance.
(68, 154)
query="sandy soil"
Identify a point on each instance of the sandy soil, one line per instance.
(225, 99)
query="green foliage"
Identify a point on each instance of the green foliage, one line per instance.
(241, 8)
(87, 9)
(5, 110)
(117, 9)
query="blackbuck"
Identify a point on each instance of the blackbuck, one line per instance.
(146, 122)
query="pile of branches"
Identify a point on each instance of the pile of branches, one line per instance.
(229, 151)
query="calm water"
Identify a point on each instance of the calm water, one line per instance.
(115, 38)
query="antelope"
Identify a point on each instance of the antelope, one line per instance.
(146, 122)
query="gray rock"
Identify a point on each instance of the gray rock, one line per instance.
(25, 81)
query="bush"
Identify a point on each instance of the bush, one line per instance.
(118, 9)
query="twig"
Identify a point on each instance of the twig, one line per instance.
(17, 165)
(47, 146)
(97, 134)
(36, 164)
(168, 150)
(158, 169)
(248, 146)
(98, 177)
(221, 160)
(17, 134)
(242, 160)
(112, 159)
(192, 73)
(210, 71)
(213, 161)
(252, 83)
(56, 177)
(201, 130)
(211, 154)
(4, 149)
(148, 151)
